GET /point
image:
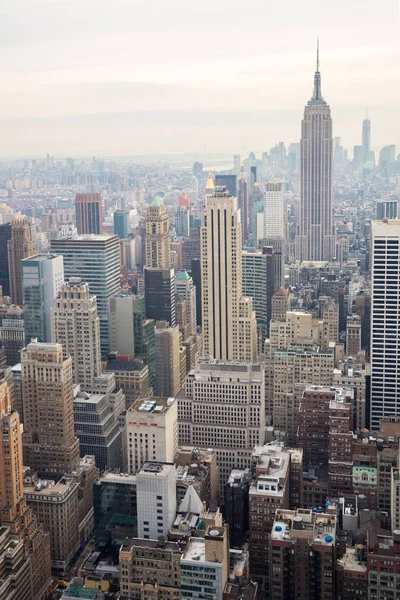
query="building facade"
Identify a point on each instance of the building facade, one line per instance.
(89, 213)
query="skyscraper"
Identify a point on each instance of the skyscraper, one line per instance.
(385, 321)
(187, 291)
(168, 381)
(76, 326)
(366, 138)
(19, 246)
(315, 238)
(49, 441)
(157, 236)
(89, 213)
(5, 236)
(42, 279)
(25, 571)
(275, 210)
(96, 260)
(121, 223)
(227, 316)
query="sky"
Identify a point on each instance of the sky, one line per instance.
(137, 77)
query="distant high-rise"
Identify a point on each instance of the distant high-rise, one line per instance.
(89, 213)
(229, 181)
(315, 238)
(229, 326)
(5, 236)
(187, 291)
(42, 279)
(121, 223)
(243, 205)
(76, 326)
(157, 236)
(275, 210)
(366, 138)
(49, 441)
(385, 321)
(168, 381)
(20, 246)
(159, 285)
(96, 260)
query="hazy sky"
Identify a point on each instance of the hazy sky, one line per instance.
(119, 77)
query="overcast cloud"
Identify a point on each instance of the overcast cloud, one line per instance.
(121, 77)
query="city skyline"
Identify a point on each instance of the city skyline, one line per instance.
(105, 83)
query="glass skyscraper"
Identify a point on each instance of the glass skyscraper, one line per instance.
(96, 260)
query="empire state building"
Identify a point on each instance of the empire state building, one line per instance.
(315, 239)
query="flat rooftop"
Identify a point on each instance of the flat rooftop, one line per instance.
(154, 406)
(350, 562)
(195, 550)
(317, 527)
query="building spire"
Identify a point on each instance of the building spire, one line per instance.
(317, 79)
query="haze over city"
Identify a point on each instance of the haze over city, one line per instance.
(145, 77)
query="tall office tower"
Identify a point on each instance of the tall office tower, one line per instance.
(191, 249)
(315, 238)
(385, 321)
(269, 492)
(23, 540)
(128, 253)
(183, 216)
(228, 181)
(156, 499)
(236, 165)
(261, 278)
(130, 333)
(159, 289)
(5, 236)
(12, 334)
(121, 223)
(96, 260)
(76, 326)
(187, 291)
(358, 156)
(97, 429)
(223, 407)
(366, 138)
(243, 205)
(167, 343)
(157, 236)
(275, 210)
(42, 279)
(221, 265)
(303, 546)
(151, 431)
(50, 445)
(353, 335)
(19, 246)
(341, 444)
(89, 213)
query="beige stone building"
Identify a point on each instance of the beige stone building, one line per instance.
(157, 236)
(49, 441)
(76, 326)
(223, 407)
(20, 246)
(229, 321)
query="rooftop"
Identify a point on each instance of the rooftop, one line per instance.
(351, 562)
(156, 469)
(135, 364)
(319, 528)
(154, 406)
(195, 550)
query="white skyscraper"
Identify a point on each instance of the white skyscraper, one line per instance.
(274, 210)
(187, 291)
(227, 318)
(76, 326)
(156, 499)
(315, 239)
(385, 321)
